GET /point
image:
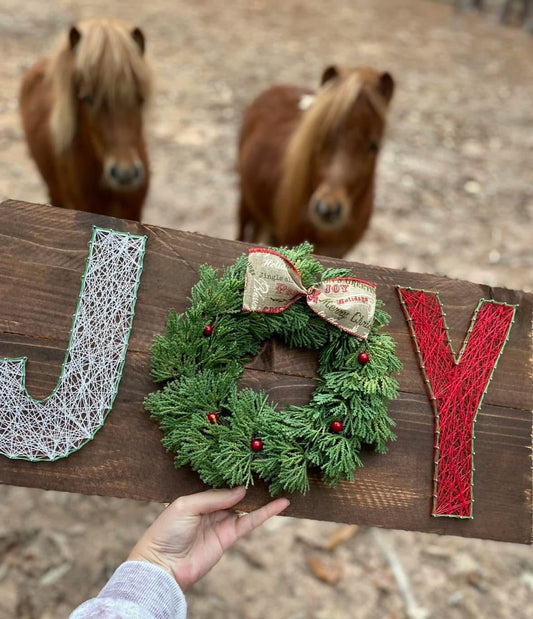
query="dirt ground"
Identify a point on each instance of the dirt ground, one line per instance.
(454, 197)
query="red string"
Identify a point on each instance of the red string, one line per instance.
(456, 387)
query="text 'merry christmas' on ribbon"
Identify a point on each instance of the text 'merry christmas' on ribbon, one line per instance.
(273, 284)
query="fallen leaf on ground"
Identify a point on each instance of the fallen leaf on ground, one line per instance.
(342, 534)
(325, 569)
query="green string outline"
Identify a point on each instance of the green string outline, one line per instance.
(23, 360)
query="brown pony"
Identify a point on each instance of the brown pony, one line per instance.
(82, 112)
(307, 161)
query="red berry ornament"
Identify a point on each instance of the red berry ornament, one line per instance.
(363, 358)
(336, 426)
(212, 417)
(256, 445)
(208, 330)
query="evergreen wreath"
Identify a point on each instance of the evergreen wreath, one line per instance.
(229, 435)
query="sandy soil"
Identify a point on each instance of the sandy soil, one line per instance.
(454, 197)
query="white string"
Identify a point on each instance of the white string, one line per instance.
(69, 417)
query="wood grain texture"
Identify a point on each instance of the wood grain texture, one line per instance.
(42, 256)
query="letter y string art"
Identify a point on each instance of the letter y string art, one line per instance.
(456, 385)
(70, 416)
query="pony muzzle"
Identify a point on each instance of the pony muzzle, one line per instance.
(325, 213)
(124, 176)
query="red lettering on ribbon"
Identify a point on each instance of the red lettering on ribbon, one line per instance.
(313, 296)
(456, 387)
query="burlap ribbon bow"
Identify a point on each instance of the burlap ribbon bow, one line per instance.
(273, 284)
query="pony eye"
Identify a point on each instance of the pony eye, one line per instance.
(374, 147)
(87, 99)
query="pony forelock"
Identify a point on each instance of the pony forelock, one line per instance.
(106, 63)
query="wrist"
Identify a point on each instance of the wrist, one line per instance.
(149, 557)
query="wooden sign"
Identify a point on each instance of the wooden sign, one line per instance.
(43, 252)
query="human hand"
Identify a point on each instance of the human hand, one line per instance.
(192, 533)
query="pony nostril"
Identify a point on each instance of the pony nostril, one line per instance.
(114, 173)
(321, 208)
(138, 171)
(336, 211)
(328, 213)
(126, 175)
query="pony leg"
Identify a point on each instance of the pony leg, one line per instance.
(55, 198)
(248, 227)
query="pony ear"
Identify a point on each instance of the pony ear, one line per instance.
(74, 37)
(385, 86)
(329, 73)
(138, 36)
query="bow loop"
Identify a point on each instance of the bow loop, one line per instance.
(273, 284)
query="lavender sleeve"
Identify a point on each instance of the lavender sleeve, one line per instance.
(137, 590)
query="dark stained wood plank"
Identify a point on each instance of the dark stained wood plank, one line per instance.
(42, 256)
(171, 266)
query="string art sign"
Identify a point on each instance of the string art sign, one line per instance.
(456, 385)
(298, 398)
(70, 416)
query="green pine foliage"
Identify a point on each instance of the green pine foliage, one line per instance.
(200, 374)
